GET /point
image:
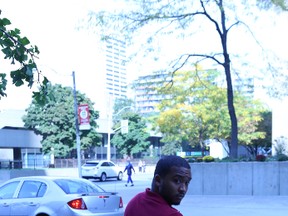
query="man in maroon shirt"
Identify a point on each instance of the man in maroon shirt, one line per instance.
(169, 186)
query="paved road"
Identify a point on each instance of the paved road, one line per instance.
(207, 205)
(234, 205)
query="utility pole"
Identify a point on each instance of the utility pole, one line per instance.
(109, 134)
(78, 144)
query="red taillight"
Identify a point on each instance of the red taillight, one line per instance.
(77, 204)
(121, 203)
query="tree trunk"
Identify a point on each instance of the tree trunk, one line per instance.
(230, 96)
(232, 113)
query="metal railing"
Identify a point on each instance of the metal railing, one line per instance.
(58, 163)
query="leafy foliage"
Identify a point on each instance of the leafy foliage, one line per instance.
(183, 19)
(17, 48)
(166, 17)
(121, 103)
(195, 111)
(122, 106)
(265, 125)
(135, 140)
(282, 4)
(55, 122)
(208, 158)
(280, 145)
(170, 147)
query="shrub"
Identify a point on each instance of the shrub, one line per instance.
(282, 157)
(280, 145)
(199, 159)
(208, 158)
(228, 159)
(272, 158)
(260, 158)
(191, 159)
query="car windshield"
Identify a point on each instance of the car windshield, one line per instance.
(88, 164)
(7, 191)
(77, 186)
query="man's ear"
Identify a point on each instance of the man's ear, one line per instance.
(157, 179)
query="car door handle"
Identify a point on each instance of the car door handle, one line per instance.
(6, 204)
(32, 204)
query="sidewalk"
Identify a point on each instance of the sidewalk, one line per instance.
(234, 205)
(222, 205)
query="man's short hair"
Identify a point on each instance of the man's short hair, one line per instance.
(164, 165)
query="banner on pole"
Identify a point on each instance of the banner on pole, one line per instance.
(84, 117)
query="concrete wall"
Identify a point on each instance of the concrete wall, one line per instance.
(238, 178)
(6, 174)
(242, 178)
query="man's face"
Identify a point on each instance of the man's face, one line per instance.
(174, 185)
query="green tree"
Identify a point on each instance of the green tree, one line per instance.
(122, 105)
(55, 122)
(135, 140)
(171, 148)
(265, 125)
(282, 4)
(18, 49)
(195, 111)
(183, 19)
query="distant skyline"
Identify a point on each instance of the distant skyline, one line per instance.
(51, 25)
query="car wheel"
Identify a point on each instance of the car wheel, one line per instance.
(120, 176)
(103, 177)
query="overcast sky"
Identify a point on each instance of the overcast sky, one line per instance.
(51, 26)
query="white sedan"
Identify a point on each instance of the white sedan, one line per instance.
(52, 196)
(101, 170)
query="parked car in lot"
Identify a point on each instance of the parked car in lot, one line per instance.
(102, 170)
(51, 196)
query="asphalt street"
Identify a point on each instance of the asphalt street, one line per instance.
(206, 205)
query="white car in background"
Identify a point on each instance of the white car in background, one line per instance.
(52, 196)
(101, 170)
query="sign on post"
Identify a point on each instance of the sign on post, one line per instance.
(84, 118)
(124, 126)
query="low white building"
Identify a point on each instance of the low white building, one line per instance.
(218, 149)
(280, 123)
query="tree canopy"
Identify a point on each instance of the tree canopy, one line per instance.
(135, 140)
(20, 52)
(148, 23)
(55, 122)
(122, 105)
(194, 110)
(282, 4)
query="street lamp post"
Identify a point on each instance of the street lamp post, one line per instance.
(109, 130)
(78, 144)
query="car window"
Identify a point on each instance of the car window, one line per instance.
(89, 164)
(77, 186)
(7, 191)
(42, 190)
(31, 189)
(106, 164)
(111, 164)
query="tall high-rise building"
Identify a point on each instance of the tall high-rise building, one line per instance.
(115, 70)
(111, 81)
(146, 97)
(110, 76)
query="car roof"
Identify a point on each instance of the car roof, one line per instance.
(98, 161)
(45, 178)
